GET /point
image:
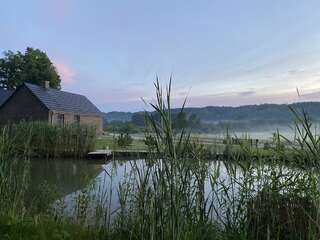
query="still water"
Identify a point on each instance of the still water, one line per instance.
(71, 179)
(97, 184)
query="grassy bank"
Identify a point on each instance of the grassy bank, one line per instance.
(211, 150)
(109, 141)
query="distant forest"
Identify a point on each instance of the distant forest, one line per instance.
(216, 119)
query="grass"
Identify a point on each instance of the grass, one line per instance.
(21, 218)
(44, 227)
(176, 193)
(40, 139)
(110, 142)
(259, 201)
(138, 144)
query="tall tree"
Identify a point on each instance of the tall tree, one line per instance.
(34, 66)
(11, 67)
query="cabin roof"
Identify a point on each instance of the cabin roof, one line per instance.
(61, 101)
(4, 95)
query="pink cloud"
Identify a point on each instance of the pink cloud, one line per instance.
(59, 9)
(66, 73)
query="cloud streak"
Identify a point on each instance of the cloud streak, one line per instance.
(254, 97)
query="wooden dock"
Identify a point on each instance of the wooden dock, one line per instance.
(98, 154)
(136, 154)
(108, 154)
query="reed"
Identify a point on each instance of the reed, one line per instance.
(176, 193)
(53, 141)
(25, 214)
(13, 176)
(306, 144)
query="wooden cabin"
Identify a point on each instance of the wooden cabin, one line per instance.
(41, 103)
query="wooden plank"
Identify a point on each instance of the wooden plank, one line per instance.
(100, 153)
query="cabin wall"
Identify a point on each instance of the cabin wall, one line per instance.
(69, 118)
(94, 121)
(23, 105)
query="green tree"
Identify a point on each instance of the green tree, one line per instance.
(11, 67)
(34, 66)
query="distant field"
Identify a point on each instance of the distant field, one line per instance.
(261, 134)
(109, 142)
(213, 141)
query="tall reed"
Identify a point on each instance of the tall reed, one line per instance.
(166, 197)
(178, 194)
(52, 140)
(13, 175)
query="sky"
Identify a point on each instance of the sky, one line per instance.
(219, 52)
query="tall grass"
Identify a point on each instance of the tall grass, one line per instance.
(39, 139)
(176, 193)
(25, 214)
(13, 176)
(306, 143)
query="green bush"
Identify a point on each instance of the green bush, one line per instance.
(124, 140)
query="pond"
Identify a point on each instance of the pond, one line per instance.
(92, 189)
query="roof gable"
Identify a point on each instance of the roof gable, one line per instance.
(61, 101)
(4, 95)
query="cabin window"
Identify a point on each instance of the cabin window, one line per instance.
(77, 119)
(60, 119)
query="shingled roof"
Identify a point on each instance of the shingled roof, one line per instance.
(61, 101)
(4, 95)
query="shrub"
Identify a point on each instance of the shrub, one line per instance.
(124, 140)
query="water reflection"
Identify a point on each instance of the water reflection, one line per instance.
(67, 176)
(84, 185)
